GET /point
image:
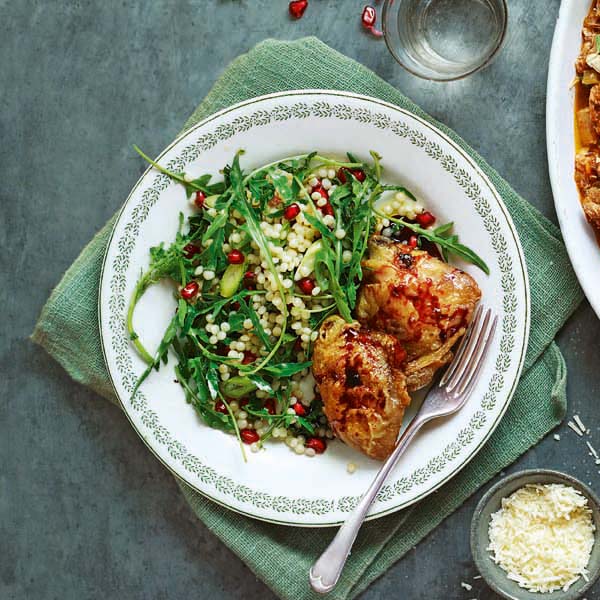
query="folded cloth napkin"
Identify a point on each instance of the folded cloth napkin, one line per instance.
(281, 556)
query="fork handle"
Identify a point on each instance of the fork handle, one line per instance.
(324, 574)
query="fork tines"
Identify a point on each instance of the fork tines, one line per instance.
(462, 374)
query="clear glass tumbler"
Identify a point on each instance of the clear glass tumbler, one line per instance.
(444, 40)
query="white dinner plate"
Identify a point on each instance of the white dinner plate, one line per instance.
(560, 139)
(276, 484)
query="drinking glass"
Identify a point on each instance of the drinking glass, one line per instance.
(443, 40)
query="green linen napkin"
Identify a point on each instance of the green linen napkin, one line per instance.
(281, 556)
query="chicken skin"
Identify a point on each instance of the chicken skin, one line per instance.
(422, 301)
(361, 381)
(588, 181)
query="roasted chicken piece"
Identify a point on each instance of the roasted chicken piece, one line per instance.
(591, 207)
(591, 28)
(586, 169)
(594, 107)
(362, 384)
(424, 302)
(588, 182)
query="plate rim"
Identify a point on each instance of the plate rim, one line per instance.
(553, 104)
(519, 254)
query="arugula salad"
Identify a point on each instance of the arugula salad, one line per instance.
(265, 258)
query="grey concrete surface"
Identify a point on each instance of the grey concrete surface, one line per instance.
(85, 511)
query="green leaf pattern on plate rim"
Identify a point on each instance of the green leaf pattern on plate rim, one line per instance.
(117, 305)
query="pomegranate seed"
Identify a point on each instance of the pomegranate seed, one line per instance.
(199, 198)
(235, 306)
(220, 407)
(249, 436)
(306, 285)
(243, 402)
(413, 241)
(369, 18)
(270, 406)
(327, 210)
(222, 349)
(249, 280)
(297, 8)
(298, 345)
(425, 219)
(431, 248)
(360, 175)
(299, 409)
(190, 250)
(291, 212)
(190, 290)
(249, 357)
(321, 190)
(317, 444)
(235, 257)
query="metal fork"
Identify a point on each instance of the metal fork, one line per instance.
(445, 398)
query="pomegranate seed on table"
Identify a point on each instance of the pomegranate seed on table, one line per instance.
(291, 212)
(369, 18)
(235, 257)
(190, 250)
(299, 409)
(249, 436)
(190, 290)
(220, 407)
(425, 219)
(297, 8)
(317, 444)
(199, 198)
(306, 285)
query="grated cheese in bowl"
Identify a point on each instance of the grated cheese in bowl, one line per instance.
(543, 536)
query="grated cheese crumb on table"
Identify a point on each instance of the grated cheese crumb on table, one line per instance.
(575, 428)
(579, 423)
(593, 451)
(543, 536)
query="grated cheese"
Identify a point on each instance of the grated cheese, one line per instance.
(575, 428)
(543, 536)
(579, 423)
